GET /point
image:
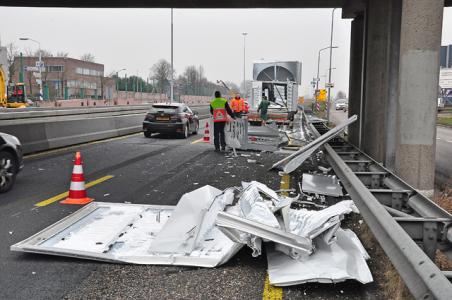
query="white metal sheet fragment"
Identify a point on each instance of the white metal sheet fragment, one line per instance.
(98, 231)
(253, 207)
(312, 223)
(337, 262)
(180, 232)
(131, 237)
(233, 226)
(321, 184)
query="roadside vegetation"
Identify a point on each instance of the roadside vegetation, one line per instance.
(445, 120)
(443, 197)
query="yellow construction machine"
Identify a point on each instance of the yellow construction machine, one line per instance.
(3, 102)
(14, 96)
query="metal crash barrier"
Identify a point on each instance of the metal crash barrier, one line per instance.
(240, 135)
(40, 130)
(409, 227)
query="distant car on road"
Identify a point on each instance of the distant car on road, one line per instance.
(440, 103)
(341, 104)
(10, 160)
(171, 118)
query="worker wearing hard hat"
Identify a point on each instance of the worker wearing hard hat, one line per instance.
(238, 105)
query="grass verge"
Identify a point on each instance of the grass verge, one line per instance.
(392, 285)
(446, 120)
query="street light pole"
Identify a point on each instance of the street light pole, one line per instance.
(172, 67)
(40, 64)
(317, 79)
(318, 67)
(329, 75)
(324, 76)
(244, 62)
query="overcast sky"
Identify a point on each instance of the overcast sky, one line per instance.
(137, 38)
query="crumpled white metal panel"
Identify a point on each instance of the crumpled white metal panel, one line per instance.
(312, 223)
(321, 184)
(126, 232)
(332, 263)
(181, 231)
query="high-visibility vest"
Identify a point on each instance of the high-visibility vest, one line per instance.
(219, 109)
(241, 104)
(237, 105)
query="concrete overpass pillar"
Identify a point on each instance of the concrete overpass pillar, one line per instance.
(377, 77)
(356, 77)
(420, 41)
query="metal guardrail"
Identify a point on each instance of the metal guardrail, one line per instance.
(415, 219)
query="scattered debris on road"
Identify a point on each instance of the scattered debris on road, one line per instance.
(207, 228)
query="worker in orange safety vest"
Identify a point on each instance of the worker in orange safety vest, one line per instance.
(238, 105)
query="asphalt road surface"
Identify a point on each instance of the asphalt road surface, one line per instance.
(150, 171)
(443, 175)
(444, 155)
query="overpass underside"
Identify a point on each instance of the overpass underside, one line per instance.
(394, 66)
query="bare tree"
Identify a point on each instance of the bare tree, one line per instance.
(11, 53)
(88, 57)
(62, 54)
(44, 53)
(29, 52)
(161, 71)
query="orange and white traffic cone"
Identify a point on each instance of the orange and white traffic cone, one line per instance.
(77, 191)
(206, 138)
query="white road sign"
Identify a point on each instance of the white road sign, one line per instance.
(445, 78)
(31, 69)
(39, 63)
(37, 75)
(38, 81)
(329, 85)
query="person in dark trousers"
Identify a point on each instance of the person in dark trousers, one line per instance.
(263, 108)
(218, 108)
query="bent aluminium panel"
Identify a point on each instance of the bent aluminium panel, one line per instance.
(123, 233)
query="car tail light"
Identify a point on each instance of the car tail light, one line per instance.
(150, 117)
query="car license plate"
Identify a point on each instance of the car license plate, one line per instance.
(162, 118)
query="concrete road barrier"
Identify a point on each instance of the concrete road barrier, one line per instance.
(41, 130)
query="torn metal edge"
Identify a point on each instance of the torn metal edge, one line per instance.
(226, 222)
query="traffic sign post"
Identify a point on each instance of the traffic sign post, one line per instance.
(31, 69)
(329, 85)
(321, 95)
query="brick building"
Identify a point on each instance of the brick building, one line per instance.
(66, 78)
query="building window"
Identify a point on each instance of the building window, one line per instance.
(89, 72)
(73, 83)
(54, 69)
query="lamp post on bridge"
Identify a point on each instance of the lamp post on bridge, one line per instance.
(331, 58)
(244, 62)
(40, 64)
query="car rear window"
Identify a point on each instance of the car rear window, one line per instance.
(164, 108)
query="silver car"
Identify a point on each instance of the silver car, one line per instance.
(341, 104)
